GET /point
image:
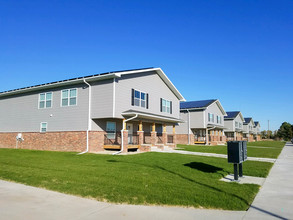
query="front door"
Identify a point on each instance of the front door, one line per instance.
(130, 133)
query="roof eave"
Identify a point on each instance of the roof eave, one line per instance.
(59, 83)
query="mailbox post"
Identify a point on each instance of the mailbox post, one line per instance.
(237, 154)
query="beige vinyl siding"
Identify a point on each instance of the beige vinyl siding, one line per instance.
(21, 113)
(149, 83)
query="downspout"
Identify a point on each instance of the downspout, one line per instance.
(188, 126)
(89, 127)
(123, 128)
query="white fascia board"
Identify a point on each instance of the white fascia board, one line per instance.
(147, 116)
(221, 107)
(170, 84)
(58, 84)
(241, 116)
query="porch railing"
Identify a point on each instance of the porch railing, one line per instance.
(200, 138)
(133, 139)
(147, 138)
(112, 138)
(170, 139)
(159, 138)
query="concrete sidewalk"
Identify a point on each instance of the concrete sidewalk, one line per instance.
(19, 201)
(275, 198)
(271, 160)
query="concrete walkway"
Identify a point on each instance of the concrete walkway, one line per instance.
(18, 201)
(275, 198)
(274, 201)
(271, 160)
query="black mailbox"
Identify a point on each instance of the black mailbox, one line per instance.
(237, 151)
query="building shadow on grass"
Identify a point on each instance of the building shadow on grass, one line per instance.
(203, 167)
(195, 165)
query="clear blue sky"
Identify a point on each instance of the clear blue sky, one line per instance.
(240, 52)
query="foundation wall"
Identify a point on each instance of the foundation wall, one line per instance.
(54, 141)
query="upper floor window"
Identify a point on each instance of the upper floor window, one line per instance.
(240, 125)
(219, 119)
(166, 106)
(210, 117)
(44, 126)
(236, 124)
(139, 98)
(45, 100)
(69, 97)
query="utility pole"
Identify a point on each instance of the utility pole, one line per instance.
(268, 128)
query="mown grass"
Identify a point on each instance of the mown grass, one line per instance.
(265, 149)
(148, 178)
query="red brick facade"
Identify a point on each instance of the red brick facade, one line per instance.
(53, 141)
(183, 139)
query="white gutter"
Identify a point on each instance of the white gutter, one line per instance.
(123, 129)
(89, 118)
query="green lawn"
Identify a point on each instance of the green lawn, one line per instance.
(148, 178)
(266, 149)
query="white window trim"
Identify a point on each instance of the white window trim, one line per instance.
(69, 97)
(140, 98)
(45, 100)
(41, 127)
(166, 106)
(115, 127)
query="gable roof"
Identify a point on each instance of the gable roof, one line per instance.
(97, 77)
(197, 104)
(248, 120)
(256, 123)
(233, 115)
(201, 105)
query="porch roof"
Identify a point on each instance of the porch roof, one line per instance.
(215, 126)
(150, 116)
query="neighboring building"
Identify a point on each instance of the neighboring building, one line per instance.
(248, 129)
(233, 123)
(204, 123)
(257, 135)
(104, 111)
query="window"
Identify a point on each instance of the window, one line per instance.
(240, 125)
(139, 98)
(69, 97)
(111, 130)
(236, 124)
(43, 127)
(45, 100)
(219, 119)
(166, 106)
(210, 117)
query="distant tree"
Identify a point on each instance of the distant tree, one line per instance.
(285, 131)
(267, 134)
(263, 134)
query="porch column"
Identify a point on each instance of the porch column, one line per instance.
(174, 135)
(164, 135)
(140, 133)
(153, 135)
(124, 136)
(207, 137)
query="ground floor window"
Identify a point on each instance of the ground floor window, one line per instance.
(44, 126)
(111, 130)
